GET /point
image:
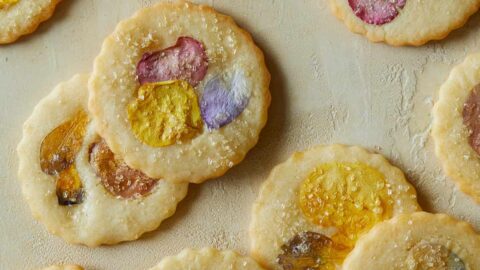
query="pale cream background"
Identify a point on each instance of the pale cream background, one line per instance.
(328, 85)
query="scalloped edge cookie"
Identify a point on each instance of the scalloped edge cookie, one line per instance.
(272, 225)
(13, 24)
(101, 218)
(409, 27)
(460, 162)
(377, 249)
(213, 152)
(207, 259)
(64, 267)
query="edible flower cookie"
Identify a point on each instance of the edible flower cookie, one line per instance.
(420, 241)
(314, 207)
(21, 17)
(180, 92)
(64, 267)
(76, 186)
(207, 259)
(404, 22)
(456, 126)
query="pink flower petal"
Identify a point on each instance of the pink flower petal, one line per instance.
(377, 12)
(186, 60)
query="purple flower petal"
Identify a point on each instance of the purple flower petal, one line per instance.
(223, 101)
(186, 60)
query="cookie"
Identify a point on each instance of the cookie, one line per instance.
(180, 92)
(417, 241)
(22, 17)
(456, 128)
(207, 259)
(76, 186)
(404, 22)
(313, 208)
(64, 267)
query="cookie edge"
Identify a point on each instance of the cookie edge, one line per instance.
(207, 252)
(39, 19)
(438, 133)
(368, 239)
(337, 10)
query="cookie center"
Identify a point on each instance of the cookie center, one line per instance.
(119, 179)
(165, 113)
(429, 256)
(471, 118)
(377, 12)
(313, 251)
(4, 4)
(351, 197)
(57, 157)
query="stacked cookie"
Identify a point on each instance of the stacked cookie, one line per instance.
(342, 207)
(178, 95)
(314, 207)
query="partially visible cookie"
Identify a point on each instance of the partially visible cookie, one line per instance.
(207, 259)
(76, 186)
(417, 241)
(314, 207)
(404, 22)
(180, 91)
(64, 267)
(456, 126)
(21, 17)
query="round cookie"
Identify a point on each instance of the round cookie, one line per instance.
(64, 267)
(456, 126)
(207, 259)
(21, 17)
(313, 207)
(76, 186)
(180, 92)
(417, 241)
(404, 22)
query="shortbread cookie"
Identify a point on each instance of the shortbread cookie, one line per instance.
(419, 241)
(180, 91)
(207, 259)
(76, 186)
(404, 22)
(312, 209)
(21, 17)
(64, 267)
(456, 126)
